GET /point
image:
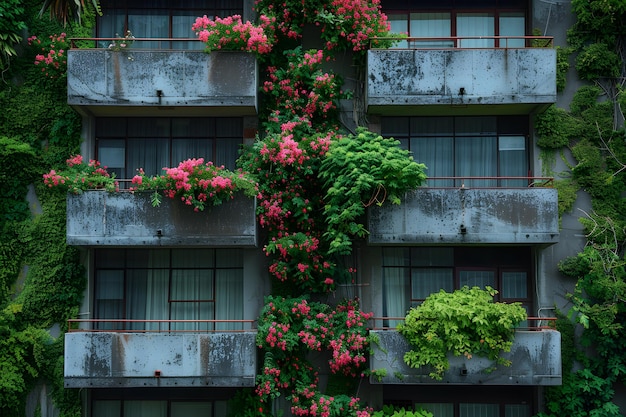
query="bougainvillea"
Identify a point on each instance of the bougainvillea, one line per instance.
(232, 34)
(290, 327)
(193, 182)
(78, 176)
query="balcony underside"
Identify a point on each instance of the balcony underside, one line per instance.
(138, 82)
(105, 360)
(100, 218)
(461, 81)
(535, 357)
(459, 216)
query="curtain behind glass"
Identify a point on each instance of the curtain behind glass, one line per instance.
(398, 23)
(476, 157)
(147, 295)
(475, 24)
(516, 410)
(181, 28)
(396, 288)
(437, 153)
(149, 23)
(512, 24)
(145, 408)
(106, 408)
(229, 298)
(479, 410)
(150, 154)
(109, 293)
(514, 284)
(425, 281)
(479, 279)
(192, 298)
(111, 25)
(431, 25)
(191, 409)
(438, 409)
(513, 157)
(183, 149)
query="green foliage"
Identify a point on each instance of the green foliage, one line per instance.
(585, 98)
(597, 21)
(597, 61)
(11, 25)
(18, 167)
(562, 66)
(554, 128)
(566, 189)
(359, 171)
(465, 322)
(395, 411)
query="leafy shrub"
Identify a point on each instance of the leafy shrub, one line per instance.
(465, 322)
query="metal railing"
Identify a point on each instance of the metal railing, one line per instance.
(464, 42)
(157, 326)
(538, 323)
(133, 43)
(489, 182)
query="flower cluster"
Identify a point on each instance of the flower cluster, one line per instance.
(289, 325)
(122, 42)
(78, 176)
(302, 87)
(194, 183)
(52, 54)
(232, 34)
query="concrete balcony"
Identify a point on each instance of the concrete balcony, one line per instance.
(142, 82)
(460, 81)
(459, 215)
(100, 218)
(104, 360)
(535, 357)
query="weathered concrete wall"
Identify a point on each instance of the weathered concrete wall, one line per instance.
(96, 218)
(458, 216)
(461, 77)
(160, 79)
(535, 357)
(102, 360)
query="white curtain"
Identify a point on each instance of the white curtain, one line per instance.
(398, 23)
(475, 24)
(181, 28)
(512, 24)
(431, 25)
(110, 25)
(109, 297)
(192, 298)
(152, 155)
(513, 157)
(149, 23)
(229, 298)
(425, 281)
(516, 410)
(396, 291)
(476, 157)
(437, 153)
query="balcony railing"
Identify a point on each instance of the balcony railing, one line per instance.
(166, 75)
(161, 356)
(159, 326)
(448, 42)
(129, 219)
(461, 210)
(535, 360)
(455, 75)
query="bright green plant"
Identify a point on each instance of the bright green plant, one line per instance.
(359, 171)
(597, 61)
(395, 411)
(465, 322)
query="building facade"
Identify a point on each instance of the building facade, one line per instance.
(167, 326)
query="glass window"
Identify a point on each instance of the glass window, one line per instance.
(431, 25)
(474, 25)
(479, 410)
(152, 408)
(163, 284)
(126, 144)
(476, 151)
(512, 24)
(411, 274)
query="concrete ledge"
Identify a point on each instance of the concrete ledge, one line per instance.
(97, 218)
(101, 359)
(535, 357)
(458, 216)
